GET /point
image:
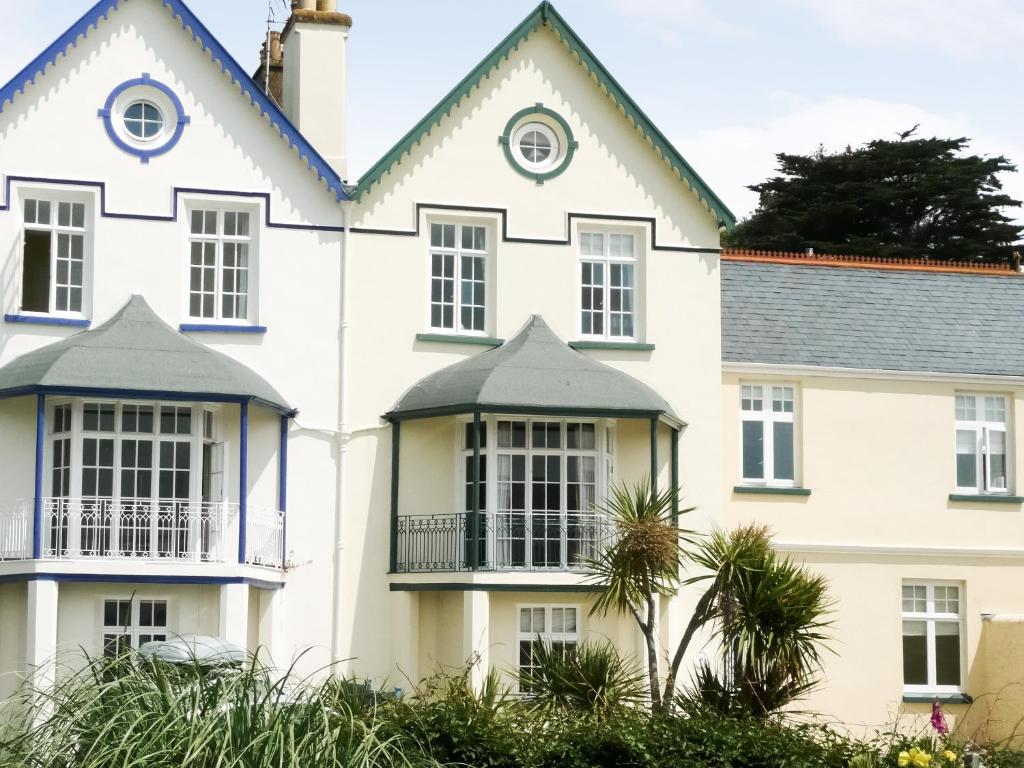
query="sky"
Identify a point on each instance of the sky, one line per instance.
(729, 83)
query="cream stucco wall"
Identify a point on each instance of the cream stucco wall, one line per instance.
(613, 173)
(877, 454)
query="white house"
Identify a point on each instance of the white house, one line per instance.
(366, 422)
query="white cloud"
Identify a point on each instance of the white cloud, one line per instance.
(957, 28)
(670, 20)
(732, 157)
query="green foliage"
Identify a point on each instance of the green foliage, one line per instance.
(590, 677)
(648, 551)
(910, 197)
(769, 616)
(643, 562)
(457, 725)
(133, 712)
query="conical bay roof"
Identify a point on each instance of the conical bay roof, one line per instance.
(135, 353)
(534, 372)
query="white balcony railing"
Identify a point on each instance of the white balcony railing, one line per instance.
(141, 529)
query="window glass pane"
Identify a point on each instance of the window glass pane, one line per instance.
(753, 450)
(915, 653)
(581, 436)
(511, 434)
(752, 397)
(996, 460)
(782, 447)
(965, 408)
(915, 598)
(468, 435)
(995, 409)
(947, 653)
(35, 276)
(966, 458)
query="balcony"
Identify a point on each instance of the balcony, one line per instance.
(142, 530)
(507, 542)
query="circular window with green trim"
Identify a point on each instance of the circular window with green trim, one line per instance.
(538, 143)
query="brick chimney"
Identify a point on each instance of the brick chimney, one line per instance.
(315, 40)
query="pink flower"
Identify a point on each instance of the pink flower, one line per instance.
(939, 719)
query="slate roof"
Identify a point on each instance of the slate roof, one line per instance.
(872, 318)
(534, 372)
(136, 352)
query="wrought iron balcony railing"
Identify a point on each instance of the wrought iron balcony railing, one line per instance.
(164, 530)
(507, 541)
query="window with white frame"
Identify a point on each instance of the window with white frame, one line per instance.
(130, 463)
(608, 285)
(129, 624)
(556, 626)
(547, 477)
(981, 443)
(932, 636)
(221, 263)
(767, 415)
(458, 278)
(53, 257)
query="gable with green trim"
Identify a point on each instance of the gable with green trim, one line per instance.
(545, 17)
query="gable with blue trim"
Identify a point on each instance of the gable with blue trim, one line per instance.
(106, 15)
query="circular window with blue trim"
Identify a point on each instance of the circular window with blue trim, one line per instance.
(144, 117)
(538, 143)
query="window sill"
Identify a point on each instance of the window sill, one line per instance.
(771, 490)
(455, 338)
(217, 328)
(632, 346)
(944, 698)
(986, 498)
(67, 322)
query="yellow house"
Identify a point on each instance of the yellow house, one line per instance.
(871, 416)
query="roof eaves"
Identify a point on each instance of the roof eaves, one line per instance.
(545, 13)
(450, 101)
(219, 54)
(625, 102)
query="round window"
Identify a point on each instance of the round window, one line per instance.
(143, 120)
(536, 146)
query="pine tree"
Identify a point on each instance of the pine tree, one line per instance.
(900, 198)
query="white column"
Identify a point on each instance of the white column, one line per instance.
(41, 635)
(405, 639)
(274, 648)
(234, 614)
(476, 634)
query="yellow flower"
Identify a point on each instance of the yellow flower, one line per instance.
(903, 760)
(922, 759)
(949, 755)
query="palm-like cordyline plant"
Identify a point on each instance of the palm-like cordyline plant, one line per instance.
(770, 616)
(591, 678)
(642, 563)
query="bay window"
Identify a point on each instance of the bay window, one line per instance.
(458, 278)
(130, 479)
(981, 443)
(545, 478)
(932, 637)
(767, 419)
(608, 285)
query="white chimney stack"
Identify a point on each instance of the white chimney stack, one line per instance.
(315, 41)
